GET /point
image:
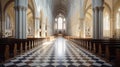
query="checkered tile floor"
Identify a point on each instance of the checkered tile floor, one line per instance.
(58, 53)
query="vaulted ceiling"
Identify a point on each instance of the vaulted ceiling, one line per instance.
(60, 6)
(67, 7)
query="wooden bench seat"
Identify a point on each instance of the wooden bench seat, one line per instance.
(106, 49)
(10, 47)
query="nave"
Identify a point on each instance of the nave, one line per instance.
(57, 53)
(28, 27)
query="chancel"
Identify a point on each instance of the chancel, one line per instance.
(59, 33)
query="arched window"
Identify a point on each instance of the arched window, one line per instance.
(60, 23)
(118, 24)
(106, 25)
(7, 23)
(117, 21)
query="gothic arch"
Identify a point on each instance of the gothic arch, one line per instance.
(29, 6)
(0, 10)
(108, 7)
(105, 4)
(90, 6)
(116, 7)
(7, 4)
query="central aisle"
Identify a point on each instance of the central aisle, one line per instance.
(58, 53)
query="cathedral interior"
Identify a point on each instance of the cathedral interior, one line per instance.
(59, 33)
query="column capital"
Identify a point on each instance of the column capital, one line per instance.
(95, 9)
(20, 8)
(36, 18)
(101, 8)
(81, 19)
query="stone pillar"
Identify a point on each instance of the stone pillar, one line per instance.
(0, 24)
(33, 30)
(20, 18)
(43, 28)
(93, 35)
(98, 22)
(57, 27)
(42, 31)
(95, 23)
(101, 22)
(118, 33)
(46, 25)
(98, 19)
(112, 25)
(37, 27)
(62, 28)
(0, 21)
(81, 28)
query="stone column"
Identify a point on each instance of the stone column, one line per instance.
(37, 27)
(93, 31)
(98, 19)
(33, 30)
(3, 25)
(95, 23)
(57, 27)
(118, 29)
(62, 28)
(81, 28)
(0, 21)
(43, 28)
(112, 25)
(98, 23)
(101, 22)
(20, 18)
(0, 24)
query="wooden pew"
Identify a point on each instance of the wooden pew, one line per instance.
(106, 49)
(10, 47)
(117, 61)
(4, 50)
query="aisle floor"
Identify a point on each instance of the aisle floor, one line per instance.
(57, 53)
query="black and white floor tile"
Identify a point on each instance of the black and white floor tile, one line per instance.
(58, 53)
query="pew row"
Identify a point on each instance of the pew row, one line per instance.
(108, 50)
(10, 47)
